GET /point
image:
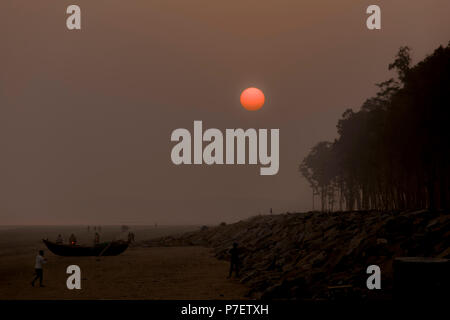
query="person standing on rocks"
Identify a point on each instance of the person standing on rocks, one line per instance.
(234, 262)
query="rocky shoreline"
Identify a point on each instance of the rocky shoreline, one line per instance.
(318, 255)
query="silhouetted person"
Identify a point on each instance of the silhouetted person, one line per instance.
(88, 228)
(97, 238)
(234, 262)
(40, 260)
(72, 240)
(59, 240)
(130, 237)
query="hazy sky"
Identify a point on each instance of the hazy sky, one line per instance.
(86, 116)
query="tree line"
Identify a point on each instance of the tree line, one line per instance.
(392, 154)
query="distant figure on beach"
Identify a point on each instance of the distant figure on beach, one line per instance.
(59, 240)
(271, 211)
(40, 260)
(97, 238)
(234, 262)
(72, 240)
(130, 237)
(88, 228)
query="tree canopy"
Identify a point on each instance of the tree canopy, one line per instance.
(393, 153)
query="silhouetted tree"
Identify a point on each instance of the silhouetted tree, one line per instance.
(393, 153)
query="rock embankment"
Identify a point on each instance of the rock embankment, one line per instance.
(322, 255)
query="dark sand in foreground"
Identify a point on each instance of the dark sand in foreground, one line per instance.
(138, 273)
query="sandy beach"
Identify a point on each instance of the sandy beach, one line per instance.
(138, 273)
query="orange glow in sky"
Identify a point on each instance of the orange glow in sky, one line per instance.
(252, 99)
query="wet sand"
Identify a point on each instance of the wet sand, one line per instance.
(138, 273)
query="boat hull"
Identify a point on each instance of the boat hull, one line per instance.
(113, 248)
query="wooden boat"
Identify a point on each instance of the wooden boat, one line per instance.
(112, 248)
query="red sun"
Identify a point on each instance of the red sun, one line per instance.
(252, 99)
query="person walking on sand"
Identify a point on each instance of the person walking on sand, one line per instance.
(40, 260)
(130, 237)
(97, 238)
(234, 262)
